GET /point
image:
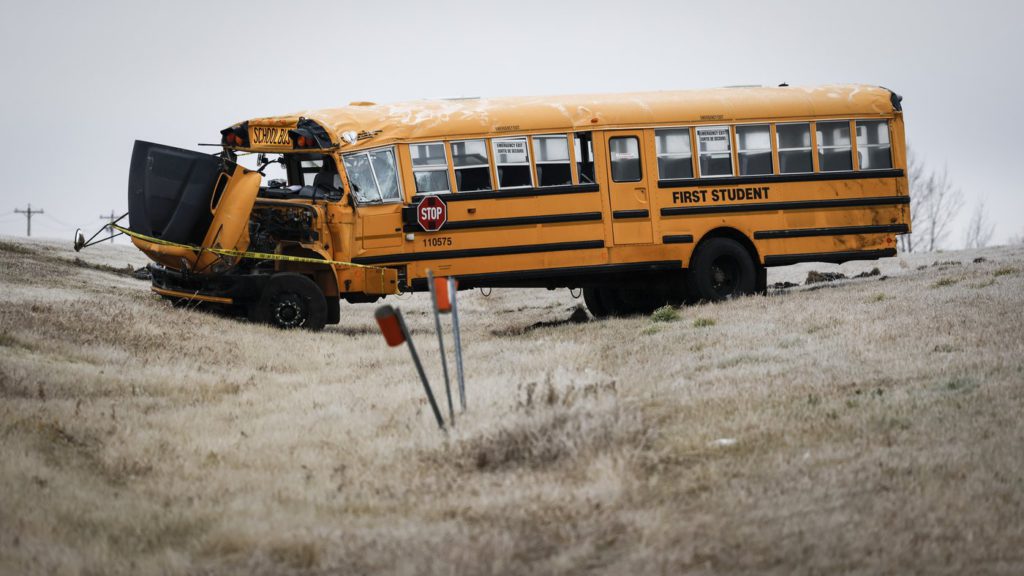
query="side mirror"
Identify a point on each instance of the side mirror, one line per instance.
(79, 239)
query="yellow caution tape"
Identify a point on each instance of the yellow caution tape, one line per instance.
(241, 254)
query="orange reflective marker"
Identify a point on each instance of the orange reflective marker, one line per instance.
(390, 327)
(444, 301)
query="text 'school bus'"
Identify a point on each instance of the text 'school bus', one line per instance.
(638, 199)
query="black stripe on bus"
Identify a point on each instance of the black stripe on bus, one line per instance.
(514, 221)
(574, 273)
(677, 239)
(476, 252)
(837, 231)
(830, 257)
(779, 178)
(622, 214)
(512, 193)
(794, 205)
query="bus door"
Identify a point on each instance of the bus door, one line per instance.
(627, 188)
(379, 226)
(375, 184)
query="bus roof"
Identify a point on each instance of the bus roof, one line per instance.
(435, 119)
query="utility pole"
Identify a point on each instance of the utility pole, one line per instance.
(109, 218)
(28, 217)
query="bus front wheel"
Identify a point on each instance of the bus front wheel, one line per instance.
(291, 301)
(720, 269)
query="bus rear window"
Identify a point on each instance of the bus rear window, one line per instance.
(873, 149)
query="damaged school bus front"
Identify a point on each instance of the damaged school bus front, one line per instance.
(217, 235)
(179, 198)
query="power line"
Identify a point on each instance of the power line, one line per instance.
(28, 218)
(58, 221)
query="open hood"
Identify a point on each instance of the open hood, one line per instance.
(188, 198)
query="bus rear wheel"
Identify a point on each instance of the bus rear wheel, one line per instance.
(291, 301)
(592, 298)
(720, 269)
(604, 301)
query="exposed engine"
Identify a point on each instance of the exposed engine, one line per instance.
(272, 224)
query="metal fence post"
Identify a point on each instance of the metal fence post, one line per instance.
(440, 344)
(453, 287)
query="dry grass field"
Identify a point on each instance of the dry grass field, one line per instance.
(869, 425)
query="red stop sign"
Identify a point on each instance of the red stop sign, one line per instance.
(432, 213)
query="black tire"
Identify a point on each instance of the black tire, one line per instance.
(610, 301)
(289, 301)
(592, 298)
(333, 310)
(627, 301)
(638, 300)
(721, 268)
(675, 288)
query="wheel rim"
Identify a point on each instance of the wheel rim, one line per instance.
(725, 276)
(288, 310)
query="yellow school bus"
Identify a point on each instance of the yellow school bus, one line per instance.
(638, 199)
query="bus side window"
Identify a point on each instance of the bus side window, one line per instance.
(624, 152)
(714, 148)
(551, 154)
(472, 166)
(430, 168)
(873, 148)
(512, 159)
(675, 157)
(794, 148)
(754, 147)
(835, 152)
(584, 157)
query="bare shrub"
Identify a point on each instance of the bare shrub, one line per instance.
(980, 228)
(933, 203)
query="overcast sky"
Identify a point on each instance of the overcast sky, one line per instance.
(82, 80)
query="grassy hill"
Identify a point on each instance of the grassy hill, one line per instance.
(870, 425)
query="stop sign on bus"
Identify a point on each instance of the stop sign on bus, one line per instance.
(432, 213)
